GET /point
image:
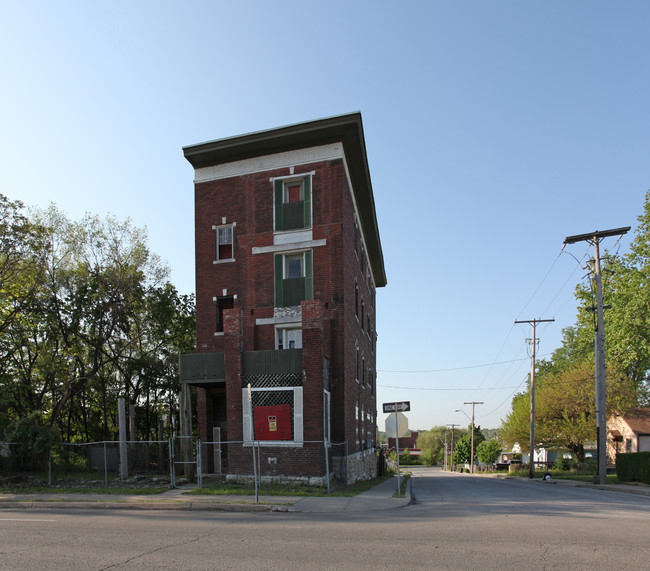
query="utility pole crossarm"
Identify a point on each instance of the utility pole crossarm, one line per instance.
(596, 235)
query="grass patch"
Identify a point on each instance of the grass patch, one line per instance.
(609, 478)
(567, 475)
(84, 490)
(246, 489)
(404, 478)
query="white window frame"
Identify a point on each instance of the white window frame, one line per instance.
(293, 256)
(216, 229)
(293, 182)
(284, 333)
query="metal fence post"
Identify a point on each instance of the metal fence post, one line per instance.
(327, 465)
(172, 469)
(199, 467)
(105, 468)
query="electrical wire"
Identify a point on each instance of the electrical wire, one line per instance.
(435, 389)
(449, 369)
(540, 284)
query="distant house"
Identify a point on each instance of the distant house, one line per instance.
(406, 443)
(628, 433)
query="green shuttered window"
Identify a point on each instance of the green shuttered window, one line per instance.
(293, 278)
(292, 199)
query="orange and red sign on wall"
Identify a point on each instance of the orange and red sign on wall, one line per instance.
(272, 422)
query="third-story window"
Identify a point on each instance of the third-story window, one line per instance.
(224, 243)
(292, 203)
(293, 278)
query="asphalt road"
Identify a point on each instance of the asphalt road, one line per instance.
(458, 522)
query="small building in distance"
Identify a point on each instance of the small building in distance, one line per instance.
(406, 443)
(628, 433)
(288, 258)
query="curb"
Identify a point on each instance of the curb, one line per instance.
(152, 506)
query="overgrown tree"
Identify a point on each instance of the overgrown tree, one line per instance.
(565, 409)
(101, 321)
(463, 451)
(565, 395)
(432, 444)
(488, 451)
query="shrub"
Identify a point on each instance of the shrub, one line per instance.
(32, 443)
(634, 467)
(405, 459)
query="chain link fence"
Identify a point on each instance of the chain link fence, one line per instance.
(88, 463)
(155, 463)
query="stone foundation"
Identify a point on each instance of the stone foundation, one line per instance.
(318, 481)
(354, 467)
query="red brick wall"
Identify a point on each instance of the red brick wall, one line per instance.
(330, 325)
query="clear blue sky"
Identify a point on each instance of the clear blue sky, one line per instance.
(493, 129)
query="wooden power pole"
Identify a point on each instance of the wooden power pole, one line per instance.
(531, 463)
(601, 390)
(471, 466)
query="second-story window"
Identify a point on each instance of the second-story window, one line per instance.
(288, 338)
(292, 203)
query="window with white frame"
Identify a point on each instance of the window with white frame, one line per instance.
(293, 278)
(288, 338)
(259, 397)
(294, 266)
(225, 249)
(292, 203)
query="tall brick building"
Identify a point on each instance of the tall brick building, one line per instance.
(288, 257)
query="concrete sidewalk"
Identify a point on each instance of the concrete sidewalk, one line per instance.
(378, 498)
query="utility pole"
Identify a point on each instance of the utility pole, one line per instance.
(453, 444)
(534, 322)
(471, 466)
(601, 390)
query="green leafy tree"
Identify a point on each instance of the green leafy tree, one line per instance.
(627, 291)
(565, 408)
(101, 321)
(33, 442)
(488, 451)
(463, 451)
(432, 444)
(565, 393)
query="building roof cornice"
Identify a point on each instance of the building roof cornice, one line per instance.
(347, 129)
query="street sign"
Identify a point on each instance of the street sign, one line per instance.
(397, 425)
(397, 406)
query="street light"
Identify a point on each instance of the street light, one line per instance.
(461, 410)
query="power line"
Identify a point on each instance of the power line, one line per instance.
(436, 389)
(541, 283)
(453, 368)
